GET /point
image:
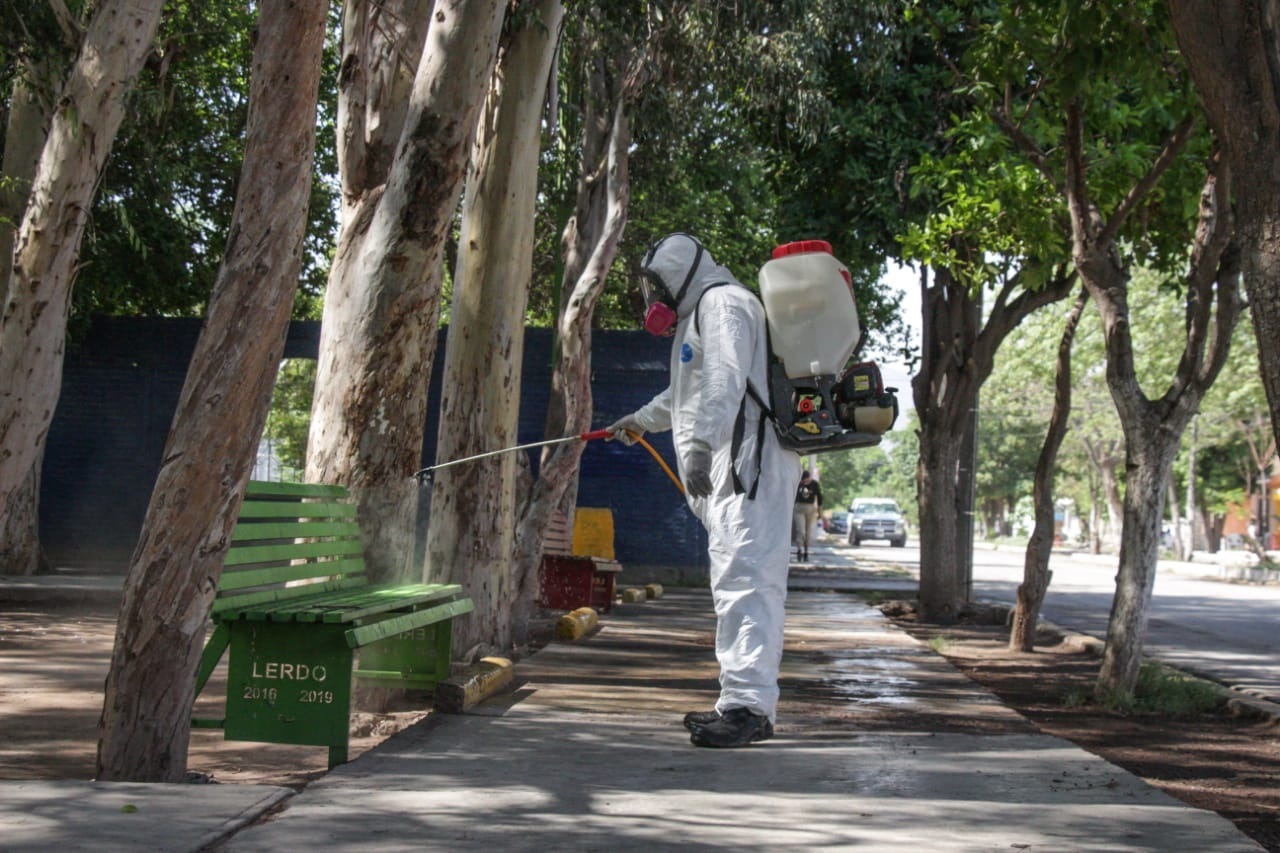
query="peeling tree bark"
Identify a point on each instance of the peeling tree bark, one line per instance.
(38, 298)
(473, 506)
(590, 242)
(25, 137)
(169, 591)
(382, 304)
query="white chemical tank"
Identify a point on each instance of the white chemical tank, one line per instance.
(808, 298)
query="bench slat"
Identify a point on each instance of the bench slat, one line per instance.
(337, 605)
(294, 509)
(401, 596)
(255, 531)
(243, 578)
(294, 490)
(310, 608)
(248, 554)
(348, 605)
(250, 605)
(366, 634)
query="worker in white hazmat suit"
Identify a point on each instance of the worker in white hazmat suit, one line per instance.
(740, 482)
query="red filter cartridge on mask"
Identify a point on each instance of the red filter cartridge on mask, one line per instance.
(659, 320)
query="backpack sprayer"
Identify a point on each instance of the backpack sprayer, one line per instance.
(425, 473)
(819, 401)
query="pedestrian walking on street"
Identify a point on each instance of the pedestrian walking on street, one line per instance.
(805, 514)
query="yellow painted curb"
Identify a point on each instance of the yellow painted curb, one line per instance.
(632, 594)
(481, 680)
(653, 590)
(576, 624)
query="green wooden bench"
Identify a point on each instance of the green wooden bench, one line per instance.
(295, 608)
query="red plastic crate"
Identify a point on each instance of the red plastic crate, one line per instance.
(567, 583)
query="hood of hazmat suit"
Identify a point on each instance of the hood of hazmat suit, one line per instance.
(715, 351)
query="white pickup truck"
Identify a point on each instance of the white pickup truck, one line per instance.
(877, 518)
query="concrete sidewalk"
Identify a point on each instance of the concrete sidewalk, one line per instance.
(589, 753)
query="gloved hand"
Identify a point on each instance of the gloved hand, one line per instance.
(697, 470)
(621, 427)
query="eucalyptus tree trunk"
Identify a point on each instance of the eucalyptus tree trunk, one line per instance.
(90, 107)
(169, 591)
(590, 239)
(557, 475)
(25, 134)
(1233, 51)
(24, 138)
(958, 355)
(1152, 428)
(473, 506)
(1036, 574)
(401, 182)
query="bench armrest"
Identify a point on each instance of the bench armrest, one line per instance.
(366, 634)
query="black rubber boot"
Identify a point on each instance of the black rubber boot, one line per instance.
(736, 727)
(697, 719)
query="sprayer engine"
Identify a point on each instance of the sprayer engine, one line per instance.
(829, 412)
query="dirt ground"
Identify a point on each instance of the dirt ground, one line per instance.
(1210, 761)
(53, 665)
(54, 658)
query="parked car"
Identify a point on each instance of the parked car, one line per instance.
(838, 523)
(877, 518)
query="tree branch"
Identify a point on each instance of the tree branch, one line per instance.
(1169, 152)
(1027, 146)
(1077, 190)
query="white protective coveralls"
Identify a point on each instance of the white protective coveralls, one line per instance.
(749, 539)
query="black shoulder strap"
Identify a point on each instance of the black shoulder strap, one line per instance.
(697, 306)
(740, 423)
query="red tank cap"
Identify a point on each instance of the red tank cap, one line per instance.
(802, 247)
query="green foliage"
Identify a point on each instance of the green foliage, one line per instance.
(1162, 690)
(1233, 427)
(29, 36)
(751, 134)
(289, 418)
(1000, 180)
(1018, 398)
(160, 221)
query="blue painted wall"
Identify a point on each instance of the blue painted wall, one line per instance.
(121, 385)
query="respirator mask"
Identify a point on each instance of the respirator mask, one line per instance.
(660, 315)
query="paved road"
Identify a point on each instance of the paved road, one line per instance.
(1226, 631)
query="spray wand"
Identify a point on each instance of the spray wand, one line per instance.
(582, 436)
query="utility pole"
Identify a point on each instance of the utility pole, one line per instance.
(966, 492)
(966, 482)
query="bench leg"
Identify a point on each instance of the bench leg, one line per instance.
(213, 649)
(413, 660)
